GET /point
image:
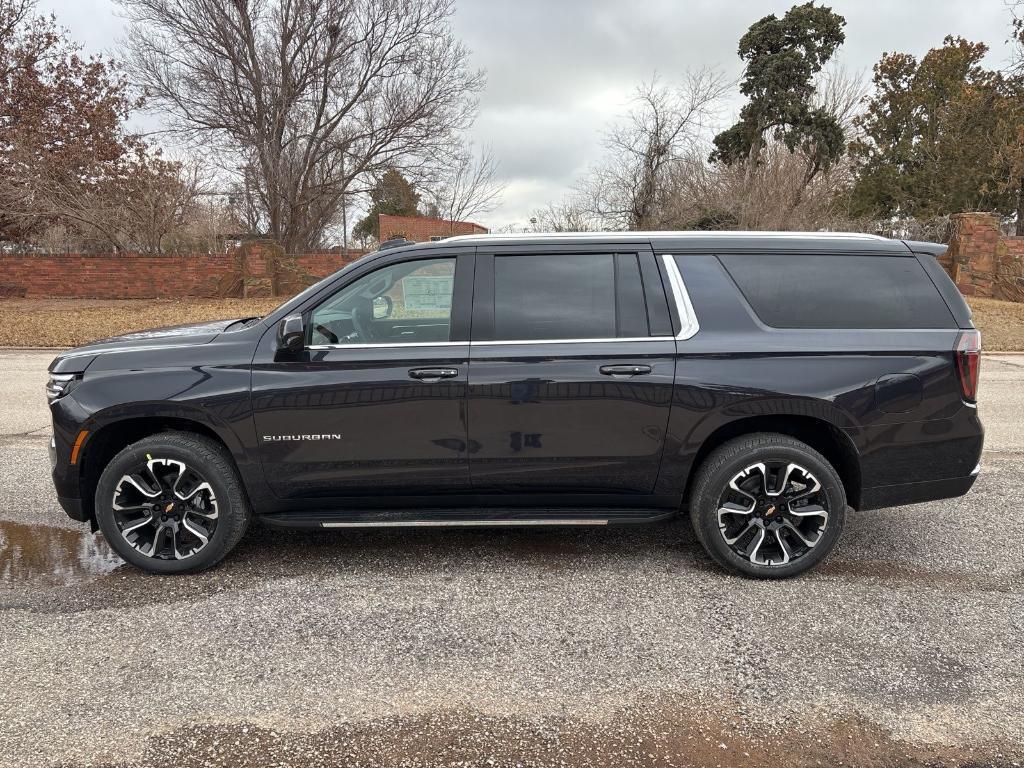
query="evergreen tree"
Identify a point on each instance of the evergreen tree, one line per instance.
(392, 194)
(783, 56)
(939, 136)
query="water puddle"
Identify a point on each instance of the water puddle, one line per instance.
(41, 554)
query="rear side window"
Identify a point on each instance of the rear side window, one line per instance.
(563, 296)
(818, 291)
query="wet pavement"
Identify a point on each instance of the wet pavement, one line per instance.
(604, 647)
(43, 555)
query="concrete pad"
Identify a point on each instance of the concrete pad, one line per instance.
(22, 382)
(1001, 402)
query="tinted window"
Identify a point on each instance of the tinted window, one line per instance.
(565, 296)
(813, 291)
(405, 303)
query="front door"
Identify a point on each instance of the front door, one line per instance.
(571, 371)
(376, 403)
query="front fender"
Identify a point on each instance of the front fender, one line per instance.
(114, 404)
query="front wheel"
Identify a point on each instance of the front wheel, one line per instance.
(172, 503)
(767, 506)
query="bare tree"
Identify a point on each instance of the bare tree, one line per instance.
(467, 187)
(656, 174)
(841, 93)
(160, 198)
(663, 126)
(134, 208)
(838, 94)
(1016, 63)
(19, 48)
(570, 215)
(310, 97)
(774, 195)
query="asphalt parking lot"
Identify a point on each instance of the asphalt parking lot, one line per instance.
(604, 647)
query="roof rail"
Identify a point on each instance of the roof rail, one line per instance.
(661, 235)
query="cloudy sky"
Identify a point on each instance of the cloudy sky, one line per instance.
(559, 71)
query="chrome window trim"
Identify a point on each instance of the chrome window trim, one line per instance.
(489, 343)
(687, 317)
(390, 346)
(571, 341)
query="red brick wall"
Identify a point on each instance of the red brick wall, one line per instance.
(981, 261)
(323, 264)
(143, 277)
(984, 262)
(420, 229)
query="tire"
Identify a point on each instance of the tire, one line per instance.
(205, 500)
(794, 534)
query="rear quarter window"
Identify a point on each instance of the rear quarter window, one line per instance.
(838, 291)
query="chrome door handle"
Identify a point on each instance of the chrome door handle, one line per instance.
(625, 370)
(433, 374)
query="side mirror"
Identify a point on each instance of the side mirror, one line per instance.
(383, 306)
(291, 335)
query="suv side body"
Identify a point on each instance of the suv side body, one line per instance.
(467, 424)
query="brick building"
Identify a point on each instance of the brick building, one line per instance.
(421, 229)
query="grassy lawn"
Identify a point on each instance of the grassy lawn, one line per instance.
(69, 322)
(1001, 324)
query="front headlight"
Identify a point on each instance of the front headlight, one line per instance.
(60, 384)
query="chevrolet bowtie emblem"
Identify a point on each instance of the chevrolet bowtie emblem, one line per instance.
(169, 507)
(770, 511)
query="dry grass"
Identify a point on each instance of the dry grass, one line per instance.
(69, 322)
(1001, 324)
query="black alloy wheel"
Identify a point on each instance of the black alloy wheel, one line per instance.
(172, 503)
(767, 505)
(165, 509)
(773, 513)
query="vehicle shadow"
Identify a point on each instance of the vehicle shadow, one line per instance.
(59, 569)
(293, 553)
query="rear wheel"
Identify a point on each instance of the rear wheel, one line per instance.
(172, 503)
(767, 505)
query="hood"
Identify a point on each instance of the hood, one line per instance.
(210, 328)
(78, 359)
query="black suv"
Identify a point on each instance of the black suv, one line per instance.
(763, 382)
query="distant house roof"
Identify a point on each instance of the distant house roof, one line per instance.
(421, 229)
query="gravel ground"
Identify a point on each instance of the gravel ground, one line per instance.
(603, 647)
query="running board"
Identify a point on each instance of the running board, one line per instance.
(462, 523)
(463, 518)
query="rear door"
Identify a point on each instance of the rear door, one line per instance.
(571, 369)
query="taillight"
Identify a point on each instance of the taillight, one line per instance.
(968, 363)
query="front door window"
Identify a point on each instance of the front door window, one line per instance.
(405, 303)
